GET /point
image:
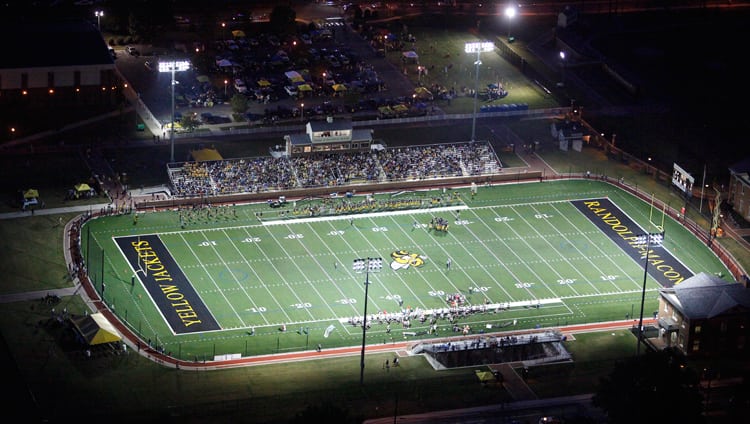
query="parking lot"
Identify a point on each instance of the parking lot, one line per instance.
(342, 59)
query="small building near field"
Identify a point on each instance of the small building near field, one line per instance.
(329, 136)
(705, 316)
(738, 195)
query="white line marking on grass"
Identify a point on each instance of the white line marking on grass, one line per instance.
(421, 274)
(541, 258)
(345, 266)
(602, 252)
(137, 303)
(208, 274)
(474, 308)
(459, 267)
(509, 249)
(364, 215)
(564, 257)
(242, 287)
(311, 283)
(502, 263)
(280, 276)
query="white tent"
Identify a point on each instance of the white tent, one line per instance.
(411, 55)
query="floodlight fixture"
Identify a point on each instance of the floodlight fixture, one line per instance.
(173, 66)
(366, 265)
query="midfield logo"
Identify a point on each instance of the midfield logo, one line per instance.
(402, 259)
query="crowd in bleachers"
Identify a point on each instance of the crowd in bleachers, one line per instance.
(261, 174)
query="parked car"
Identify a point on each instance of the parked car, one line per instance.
(132, 51)
(149, 66)
(291, 90)
(240, 86)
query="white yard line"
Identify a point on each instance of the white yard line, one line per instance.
(365, 215)
(203, 267)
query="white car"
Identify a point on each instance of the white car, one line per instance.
(291, 90)
(240, 86)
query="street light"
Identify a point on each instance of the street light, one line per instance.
(302, 112)
(647, 239)
(477, 48)
(366, 265)
(99, 14)
(562, 68)
(173, 66)
(225, 87)
(510, 12)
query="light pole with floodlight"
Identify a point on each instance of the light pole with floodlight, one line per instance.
(510, 12)
(477, 48)
(99, 14)
(302, 112)
(173, 66)
(562, 69)
(648, 240)
(366, 265)
(225, 88)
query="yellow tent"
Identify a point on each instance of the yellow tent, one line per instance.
(423, 93)
(264, 83)
(400, 108)
(82, 187)
(30, 193)
(95, 329)
(206, 154)
(485, 376)
(238, 33)
(339, 87)
(304, 87)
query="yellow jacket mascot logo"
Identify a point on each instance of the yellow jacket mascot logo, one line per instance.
(403, 260)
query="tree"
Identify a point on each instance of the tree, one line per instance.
(238, 103)
(189, 122)
(282, 18)
(656, 387)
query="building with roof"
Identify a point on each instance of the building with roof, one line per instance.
(738, 195)
(329, 136)
(50, 64)
(705, 316)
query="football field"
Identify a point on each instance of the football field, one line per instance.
(248, 280)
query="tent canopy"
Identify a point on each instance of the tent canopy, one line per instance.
(206, 154)
(305, 87)
(95, 329)
(411, 54)
(82, 187)
(264, 83)
(202, 78)
(238, 33)
(294, 76)
(485, 376)
(30, 193)
(339, 87)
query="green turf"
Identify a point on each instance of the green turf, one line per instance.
(511, 244)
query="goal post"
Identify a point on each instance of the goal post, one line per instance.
(656, 215)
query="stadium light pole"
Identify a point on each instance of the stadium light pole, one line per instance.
(562, 68)
(510, 12)
(366, 265)
(647, 239)
(99, 14)
(173, 66)
(477, 48)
